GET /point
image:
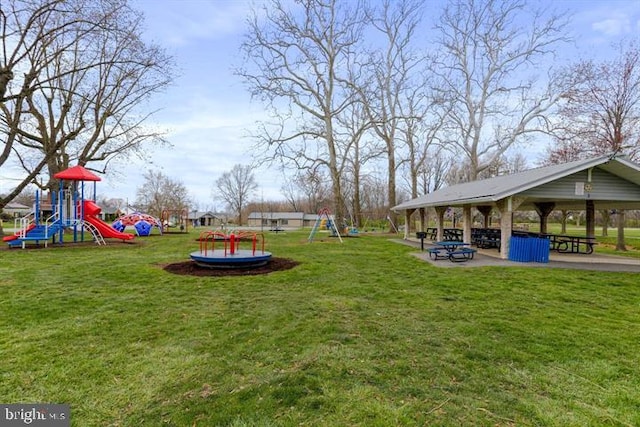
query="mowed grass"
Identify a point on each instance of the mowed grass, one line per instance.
(359, 334)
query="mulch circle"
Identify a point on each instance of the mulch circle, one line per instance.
(190, 268)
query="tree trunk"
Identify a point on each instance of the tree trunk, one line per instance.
(563, 221)
(620, 246)
(357, 210)
(606, 217)
(391, 162)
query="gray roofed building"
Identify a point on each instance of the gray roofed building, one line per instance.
(16, 209)
(610, 182)
(205, 218)
(281, 219)
(606, 182)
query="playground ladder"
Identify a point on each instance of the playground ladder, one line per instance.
(22, 224)
(327, 214)
(94, 232)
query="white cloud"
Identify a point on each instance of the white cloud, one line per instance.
(614, 26)
(181, 22)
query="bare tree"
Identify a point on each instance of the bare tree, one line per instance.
(391, 79)
(488, 47)
(236, 187)
(160, 192)
(374, 198)
(74, 78)
(601, 115)
(307, 190)
(296, 62)
(601, 111)
(362, 149)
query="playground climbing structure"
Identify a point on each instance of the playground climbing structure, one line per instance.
(325, 220)
(70, 213)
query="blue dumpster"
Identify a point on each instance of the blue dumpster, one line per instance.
(528, 249)
(518, 249)
(539, 249)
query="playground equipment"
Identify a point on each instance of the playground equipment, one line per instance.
(324, 220)
(230, 255)
(70, 211)
(175, 218)
(141, 222)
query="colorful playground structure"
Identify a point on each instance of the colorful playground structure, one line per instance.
(142, 223)
(230, 255)
(324, 220)
(71, 212)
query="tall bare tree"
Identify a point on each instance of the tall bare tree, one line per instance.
(490, 51)
(601, 111)
(362, 148)
(296, 62)
(160, 192)
(74, 78)
(311, 187)
(391, 78)
(601, 114)
(235, 187)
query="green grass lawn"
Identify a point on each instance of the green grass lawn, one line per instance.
(360, 333)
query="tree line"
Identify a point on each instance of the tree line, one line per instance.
(75, 79)
(359, 89)
(371, 102)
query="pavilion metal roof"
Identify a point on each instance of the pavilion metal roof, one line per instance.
(489, 191)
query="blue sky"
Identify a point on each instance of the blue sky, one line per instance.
(207, 112)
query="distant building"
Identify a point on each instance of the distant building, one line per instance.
(281, 219)
(110, 213)
(205, 219)
(16, 210)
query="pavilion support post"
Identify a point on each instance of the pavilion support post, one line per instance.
(486, 214)
(506, 207)
(591, 218)
(440, 211)
(407, 222)
(466, 223)
(544, 209)
(422, 213)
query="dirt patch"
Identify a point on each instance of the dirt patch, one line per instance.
(190, 268)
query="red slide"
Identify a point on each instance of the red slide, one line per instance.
(90, 212)
(17, 234)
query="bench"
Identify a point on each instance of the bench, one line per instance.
(452, 234)
(488, 243)
(462, 254)
(431, 233)
(458, 255)
(437, 253)
(572, 244)
(486, 238)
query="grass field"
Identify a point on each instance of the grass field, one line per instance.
(359, 334)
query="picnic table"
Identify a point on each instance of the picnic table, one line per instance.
(486, 238)
(563, 243)
(431, 233)
(572, 244)
(453, 250)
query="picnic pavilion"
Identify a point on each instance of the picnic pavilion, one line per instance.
(607, 182)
